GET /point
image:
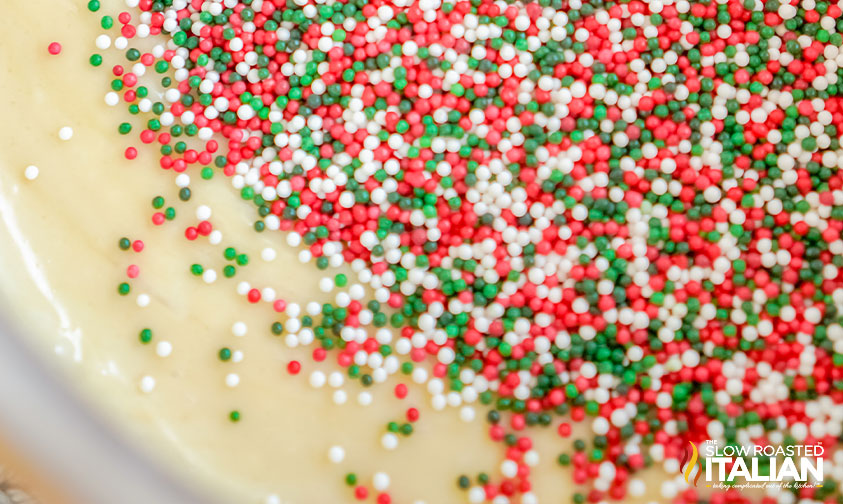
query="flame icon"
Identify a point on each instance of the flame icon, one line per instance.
(689, 467)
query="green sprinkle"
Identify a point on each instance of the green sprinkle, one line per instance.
(145, 336)
(123, 289)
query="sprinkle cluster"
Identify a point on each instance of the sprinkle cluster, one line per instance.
(621, 213)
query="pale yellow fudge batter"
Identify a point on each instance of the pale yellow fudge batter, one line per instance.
(61, 267)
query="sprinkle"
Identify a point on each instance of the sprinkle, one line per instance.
(103, 42)
(145, 335)
(268, 254)
(364, 398)
(239, 329)
(147, 384)
(509, 468)
(339, 397)
(143, 300)
(54, 48)
(209, 276)
(336, 454)
(335, 379)
(380, 481)
(317, 379)
(232, 380)
(164, 348)
(389, 441)
(66, 133)
(215, 237)
(31, 172)
(203, 212)
(243, 288)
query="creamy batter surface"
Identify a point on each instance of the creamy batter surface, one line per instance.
(62, 265)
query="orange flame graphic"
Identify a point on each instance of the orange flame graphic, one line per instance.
(689, 467)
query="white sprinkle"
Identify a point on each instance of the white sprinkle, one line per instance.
(209, 276)
(237, 356)
(66, 133)
(317, 379)
(215, 237)
(112, 99)
(509, 468)
(232, 380)
(203, 212)
(143, 300)
(272, 499)
(268, 254)
(380, 481)
(467, 414)
(340, 397)
(336, 454)
(239, 329)
(147, 384)
(31, 172)
(364, 398)
(243, 288)
(335, 379)
(164, 348)
(389, 441)
(182, 180)
(103, 41)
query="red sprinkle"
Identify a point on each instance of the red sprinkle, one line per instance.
(361, 492)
